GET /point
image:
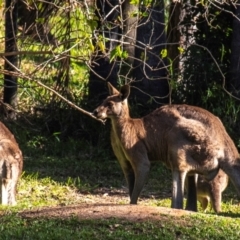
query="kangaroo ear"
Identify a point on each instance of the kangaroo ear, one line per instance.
(112, 90)
(125, 91)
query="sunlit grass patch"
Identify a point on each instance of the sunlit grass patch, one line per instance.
(37, 192)
(34, 192)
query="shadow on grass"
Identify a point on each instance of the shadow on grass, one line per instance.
(229, 214)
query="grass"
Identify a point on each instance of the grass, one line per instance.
(197, 226)
(56, 178)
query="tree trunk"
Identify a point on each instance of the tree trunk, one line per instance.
(10, 81)
(102, 69)
(142, 40)
(130, 23)
(173, 33)
(149, 69)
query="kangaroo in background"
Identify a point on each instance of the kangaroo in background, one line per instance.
(187, 139)
(211, 191)
(11, 163)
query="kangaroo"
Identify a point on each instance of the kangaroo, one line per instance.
(211, 191)
(187, 139)
(11, 163)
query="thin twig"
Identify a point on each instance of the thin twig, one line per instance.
(6, 54)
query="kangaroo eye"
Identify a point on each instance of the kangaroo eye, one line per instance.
(110, 104)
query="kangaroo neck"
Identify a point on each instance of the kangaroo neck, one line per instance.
(121, 123)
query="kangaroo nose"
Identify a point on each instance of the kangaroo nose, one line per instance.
(95, 112)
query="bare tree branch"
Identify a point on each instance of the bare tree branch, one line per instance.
(24, 76)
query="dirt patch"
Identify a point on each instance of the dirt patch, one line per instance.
(104, 204)
(97, 211)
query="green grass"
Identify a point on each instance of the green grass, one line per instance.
(57, 179)
(198, 226)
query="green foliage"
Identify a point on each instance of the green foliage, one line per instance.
(163, 53)
(118, 52)
(134, 2)
(61, 66)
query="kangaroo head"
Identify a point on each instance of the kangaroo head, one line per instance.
(114, 105)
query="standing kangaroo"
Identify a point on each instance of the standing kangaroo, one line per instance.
(187, 139)
(11, 162)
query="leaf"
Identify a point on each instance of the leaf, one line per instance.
(125, 54)
(101, 46)
(40, 20)
(113, 55)
(92, 24)
(181, 50)
(118, 51)
(134, 2)
(144, 14)
(164, 53)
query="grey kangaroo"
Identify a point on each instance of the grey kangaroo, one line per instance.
(11, 163)
(211, 191)
(187, 139)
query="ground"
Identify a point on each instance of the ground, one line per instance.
(105, 204)
(105, 211)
